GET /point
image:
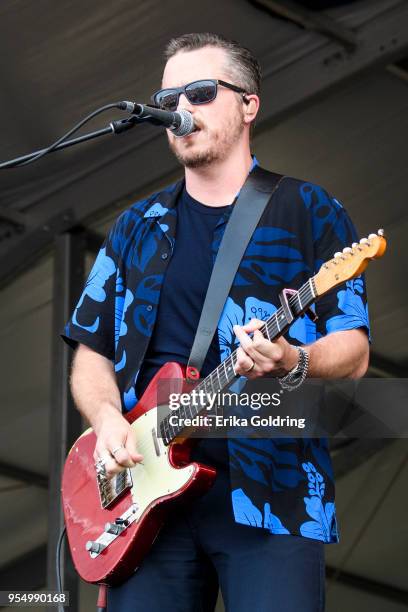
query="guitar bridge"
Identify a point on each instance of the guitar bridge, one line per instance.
(110, 489)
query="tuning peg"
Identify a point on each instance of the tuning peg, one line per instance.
(338, 254)
(364, 241)
(347, 250)
(354, 245)
(380, 232)
(372, 236)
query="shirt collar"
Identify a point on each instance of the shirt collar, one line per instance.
(164, 204)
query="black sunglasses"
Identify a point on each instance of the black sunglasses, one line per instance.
(197, 92)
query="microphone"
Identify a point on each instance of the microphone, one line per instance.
(181, 123)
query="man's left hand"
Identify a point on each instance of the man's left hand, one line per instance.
(258, 356)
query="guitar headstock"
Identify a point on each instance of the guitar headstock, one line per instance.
(351, 262)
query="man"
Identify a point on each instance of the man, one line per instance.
(260, 530)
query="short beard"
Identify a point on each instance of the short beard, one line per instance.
(218, 150)
(198, 160)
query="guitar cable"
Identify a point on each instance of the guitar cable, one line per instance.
(58, 566)
(102, 595)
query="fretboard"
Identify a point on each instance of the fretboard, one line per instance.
(224, 374)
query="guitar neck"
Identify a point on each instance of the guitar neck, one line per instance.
(224, 374)
(275, 326)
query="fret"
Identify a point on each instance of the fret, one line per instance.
(163, 427)
(201, 387)
(226, 375)
(224, 363)
(267, 333)
(274, 325)
(223, 379)
(202, 405)
(233, 364)
(229, 371)
(171, 429)
(194, 410)
(199, 408)
(230, 368)
(174, 433)
(205, 381)
(188, 408)
(270, 335)
(219, 380)
(300, 301)
(211, 382)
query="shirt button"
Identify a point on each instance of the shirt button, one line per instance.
(164, 255)
(149, 307)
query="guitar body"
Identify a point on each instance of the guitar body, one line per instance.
(165, 478)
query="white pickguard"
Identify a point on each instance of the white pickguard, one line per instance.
(155, 477)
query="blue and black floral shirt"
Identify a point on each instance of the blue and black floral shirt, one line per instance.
(284, 485)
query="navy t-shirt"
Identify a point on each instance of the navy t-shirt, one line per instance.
(184, 290)
(181, 302)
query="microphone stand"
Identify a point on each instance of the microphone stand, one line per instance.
(115, 127)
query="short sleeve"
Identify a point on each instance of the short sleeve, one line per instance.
(93, 320)
(345, 306)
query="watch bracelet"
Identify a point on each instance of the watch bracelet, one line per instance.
(293, 379)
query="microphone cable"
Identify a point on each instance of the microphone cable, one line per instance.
(98, 111)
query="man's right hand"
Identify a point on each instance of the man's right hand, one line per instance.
(97, 397)
(114, 433)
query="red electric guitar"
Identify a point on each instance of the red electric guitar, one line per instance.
(112, 523)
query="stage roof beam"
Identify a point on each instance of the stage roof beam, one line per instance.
(311, 20)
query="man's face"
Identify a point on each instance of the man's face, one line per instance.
(220, 122)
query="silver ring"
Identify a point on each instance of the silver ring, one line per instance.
(251, 368)
(115, 450)
(100, 465)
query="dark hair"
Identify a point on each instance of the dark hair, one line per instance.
(243, 66)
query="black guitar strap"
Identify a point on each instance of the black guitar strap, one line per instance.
(254, 196)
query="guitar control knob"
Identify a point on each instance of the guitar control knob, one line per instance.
(94, 547)
(114, 528)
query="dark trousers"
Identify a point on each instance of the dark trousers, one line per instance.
(201, 548)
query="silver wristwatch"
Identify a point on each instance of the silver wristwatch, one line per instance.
(293, 379)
